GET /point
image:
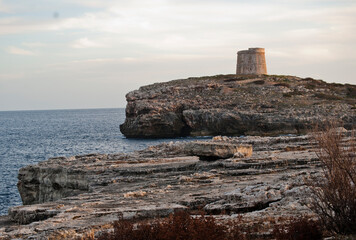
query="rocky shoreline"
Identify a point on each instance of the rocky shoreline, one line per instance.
(258, 177)
(253, 177)
(235, 105)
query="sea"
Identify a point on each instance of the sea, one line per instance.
(28, 137)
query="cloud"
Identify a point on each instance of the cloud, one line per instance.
(95, 60)
(86, 43)
(11, 76)
(130, 43)
(34, 44)
(316, 52)
(3, 8)
(21, 25)
(19, 51)
(91, 3)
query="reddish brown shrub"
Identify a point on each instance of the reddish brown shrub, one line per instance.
(298, 229)
(178, 226)
(182, 226)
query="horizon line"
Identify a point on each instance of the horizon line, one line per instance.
(60, 109)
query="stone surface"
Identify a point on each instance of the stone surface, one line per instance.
(236, 105)
(269, 183)
(217, 150)
(37, 184)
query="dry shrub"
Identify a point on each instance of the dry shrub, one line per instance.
(350, 91)
(294, 93)
(334, 197)
(239, 231)
(310, 85)
(177, 226)
(327, 96)
(259, 82)
(298, 229)
(182, 226)
(282, 84)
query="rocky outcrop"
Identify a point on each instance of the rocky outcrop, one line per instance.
(236, 105)
(216, 150)
(37, 184)
(98, 189)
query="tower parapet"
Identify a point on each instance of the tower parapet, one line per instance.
(251, 61)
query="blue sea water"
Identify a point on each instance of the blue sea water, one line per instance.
(27, 137)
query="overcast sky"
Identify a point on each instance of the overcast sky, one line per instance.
(64, 54)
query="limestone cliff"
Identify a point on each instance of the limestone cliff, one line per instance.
(236, 105)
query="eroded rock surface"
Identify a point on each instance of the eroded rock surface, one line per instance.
(217, 150)
(97, 189)
(236, 105)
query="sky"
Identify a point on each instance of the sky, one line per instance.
(73, 54)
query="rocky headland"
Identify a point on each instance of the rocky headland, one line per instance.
(236, 105)
(258, 178)
(261, 178)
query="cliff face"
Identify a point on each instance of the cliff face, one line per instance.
(39, 184)
(236, 105)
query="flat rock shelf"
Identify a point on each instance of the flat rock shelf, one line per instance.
(74, 195)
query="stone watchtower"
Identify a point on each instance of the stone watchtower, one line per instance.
(251, 61)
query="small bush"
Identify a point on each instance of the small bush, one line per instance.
(351, 92)
(334, 198)
(177, 226)
(298, 229)
(327, 96)
(310, 85)
(258, 82)
(294, 93)
(282, 85)
(336, 85)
